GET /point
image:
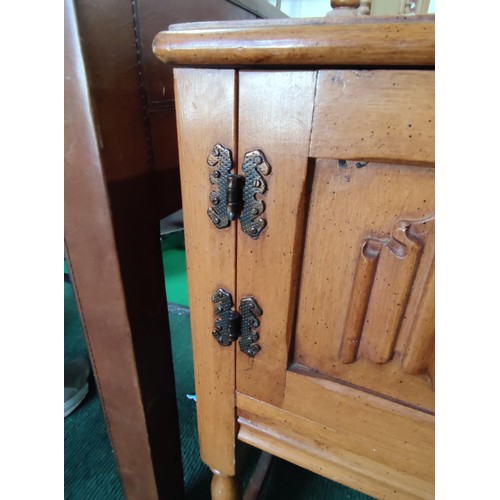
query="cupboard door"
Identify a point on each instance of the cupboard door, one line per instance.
(344, 270)
(344, 275)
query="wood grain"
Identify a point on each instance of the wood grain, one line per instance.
(361, 42)
(358, 444)
(349, 242)
(396, 268)
(224, 487)
(360, 296)
(419, 356)
(267, 267)
(351, 205)
(206, 116)
(379, 115)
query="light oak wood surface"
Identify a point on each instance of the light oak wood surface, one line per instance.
(267, 267)
(374, 115)
(351, 207)
(224, 487)
(343, 383)
(360, 41)
(210, 254)
(371, 444)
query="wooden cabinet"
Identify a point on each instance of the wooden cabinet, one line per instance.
(342, 116)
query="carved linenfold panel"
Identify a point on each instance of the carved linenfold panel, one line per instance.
(369, 246)
(419, 355)
(395, 274)
(383, 281)
(363, 282)
(220, 163)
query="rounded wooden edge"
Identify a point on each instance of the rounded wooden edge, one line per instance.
(384, 42)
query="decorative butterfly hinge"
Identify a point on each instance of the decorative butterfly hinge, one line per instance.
(236, 195)
(231, 325)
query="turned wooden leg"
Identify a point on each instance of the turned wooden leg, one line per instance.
(224, 487)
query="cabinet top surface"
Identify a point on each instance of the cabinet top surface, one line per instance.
(320, 42)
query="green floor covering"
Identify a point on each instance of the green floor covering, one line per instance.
(90, 471)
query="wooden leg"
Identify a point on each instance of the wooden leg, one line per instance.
(257, 479)
(224, 487)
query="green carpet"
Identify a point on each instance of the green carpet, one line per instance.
(89, 468)
(174, 262)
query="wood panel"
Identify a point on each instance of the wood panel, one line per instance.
(397, 269)
(369, 247)
(379, 115)
(275, 113)
(366, 443)
(419, 355)
(205, 117)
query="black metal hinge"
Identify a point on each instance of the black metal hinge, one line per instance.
(236, 194)
(231, 325)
